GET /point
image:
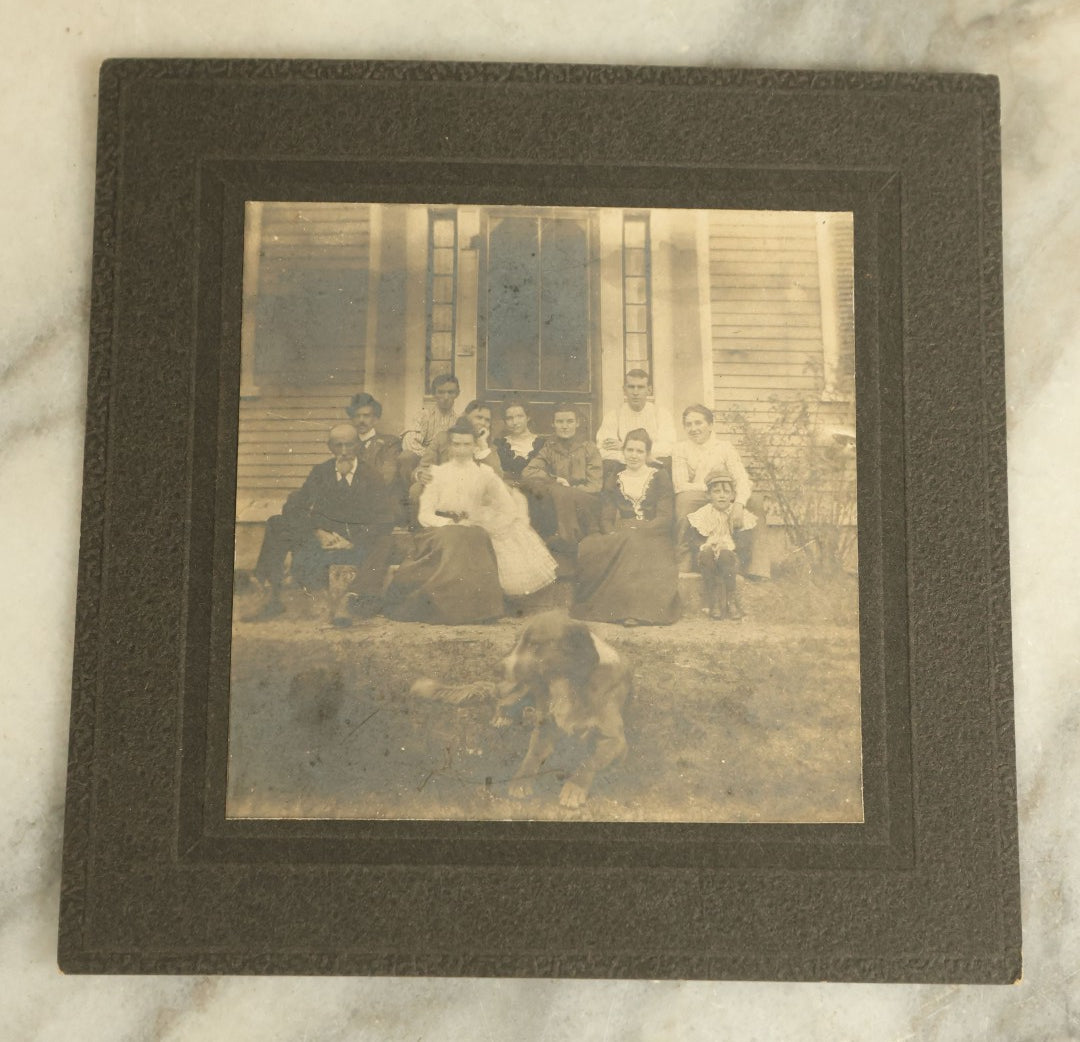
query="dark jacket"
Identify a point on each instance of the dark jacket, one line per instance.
(358, 511)
(578, 461)
(514, 466)
(381, 453)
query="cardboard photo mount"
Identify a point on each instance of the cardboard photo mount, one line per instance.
(157, 880)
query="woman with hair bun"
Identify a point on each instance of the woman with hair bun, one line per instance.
(518, 446)
(627, 573)
(473, 546)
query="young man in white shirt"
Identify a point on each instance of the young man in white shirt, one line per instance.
(431, 421)
(438, 451)
(636, 412)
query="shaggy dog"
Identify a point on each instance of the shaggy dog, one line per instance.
(567, 681)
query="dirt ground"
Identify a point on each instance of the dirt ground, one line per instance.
(733, 722)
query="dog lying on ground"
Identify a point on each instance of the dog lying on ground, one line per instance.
(567, 681)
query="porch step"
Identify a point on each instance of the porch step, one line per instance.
(558, 596)
(691, 593)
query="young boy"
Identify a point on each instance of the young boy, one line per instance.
(712, 528)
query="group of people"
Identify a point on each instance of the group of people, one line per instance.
(502, 517)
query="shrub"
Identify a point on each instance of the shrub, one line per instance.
(803, 461)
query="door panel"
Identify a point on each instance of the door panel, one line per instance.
(564, 306)
(513, 305)
(538, 316)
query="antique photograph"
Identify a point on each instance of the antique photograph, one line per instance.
(546, 513)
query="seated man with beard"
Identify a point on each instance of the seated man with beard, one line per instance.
(341, 515)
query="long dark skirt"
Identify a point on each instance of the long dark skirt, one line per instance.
(452, 577)
(629, 574)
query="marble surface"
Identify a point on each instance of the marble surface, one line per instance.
(47, 118)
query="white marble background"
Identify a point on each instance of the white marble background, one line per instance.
(47, 125)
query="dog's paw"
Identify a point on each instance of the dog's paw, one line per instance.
(573, 795)
(425, 687)
(520, 789)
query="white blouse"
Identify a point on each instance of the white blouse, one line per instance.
(522, 445)
(465, 488)
(634, 485)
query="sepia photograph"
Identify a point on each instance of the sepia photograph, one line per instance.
(546, 513)
(575, 544)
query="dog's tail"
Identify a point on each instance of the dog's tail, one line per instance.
(454, 694)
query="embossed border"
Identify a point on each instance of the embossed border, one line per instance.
(156, 881)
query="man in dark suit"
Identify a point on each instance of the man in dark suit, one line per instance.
(378, 451)
(341, 515)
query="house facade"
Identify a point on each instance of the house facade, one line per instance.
(738, 310)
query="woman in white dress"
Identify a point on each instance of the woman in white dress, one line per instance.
(474, 546)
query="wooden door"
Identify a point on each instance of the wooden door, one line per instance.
(538, 335)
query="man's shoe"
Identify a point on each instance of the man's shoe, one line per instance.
(271, 608)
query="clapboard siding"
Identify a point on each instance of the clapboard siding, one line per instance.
(766, 306)
(311, 314)
(282, 436)
(766, 327)
(843, 258)
(308, 351)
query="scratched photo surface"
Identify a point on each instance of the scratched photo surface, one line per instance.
(546, 513)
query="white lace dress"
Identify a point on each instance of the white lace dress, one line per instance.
(525, 565)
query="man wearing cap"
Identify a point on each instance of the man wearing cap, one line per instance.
(381, 452)
(341, 515)
(711, 531)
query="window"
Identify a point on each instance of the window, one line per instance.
(637, 328)
(306, 288)
(442, 294)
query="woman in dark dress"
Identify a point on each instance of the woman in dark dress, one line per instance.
(628, 573)
(516, 449)
(518, 446)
